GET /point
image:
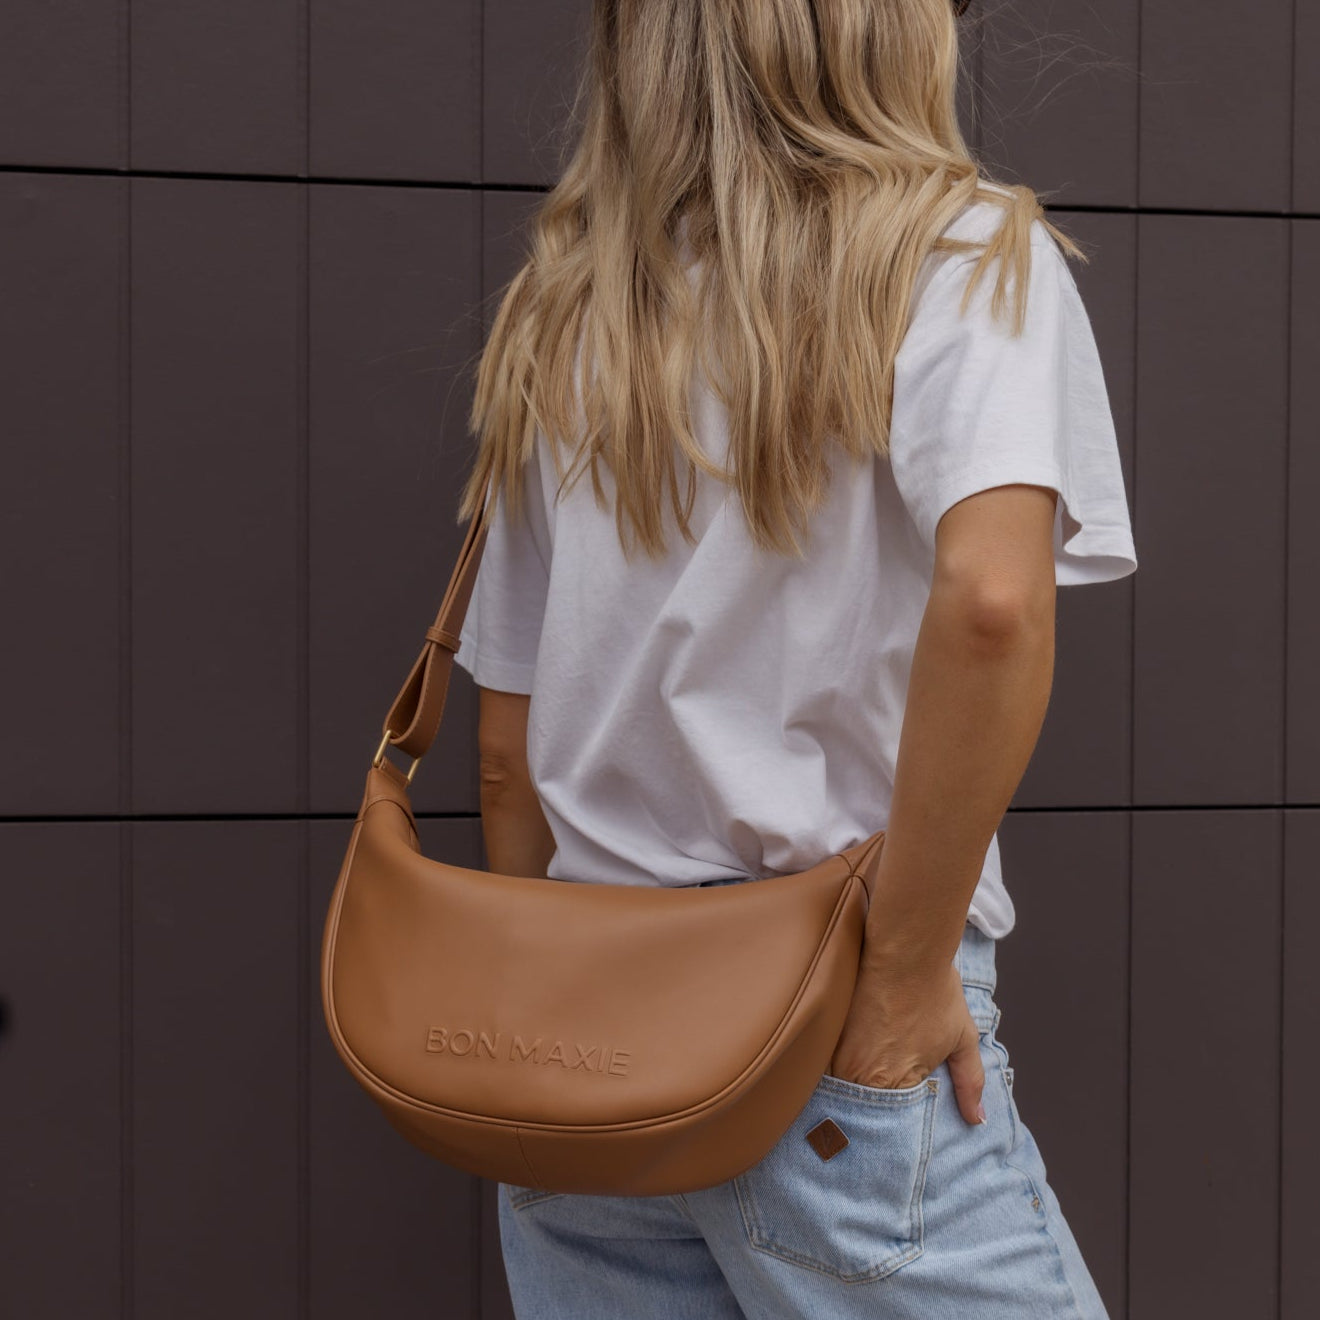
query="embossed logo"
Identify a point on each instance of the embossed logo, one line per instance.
(467, 1042)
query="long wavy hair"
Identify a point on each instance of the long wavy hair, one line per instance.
(808, 153)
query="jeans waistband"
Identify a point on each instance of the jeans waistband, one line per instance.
(975, 958)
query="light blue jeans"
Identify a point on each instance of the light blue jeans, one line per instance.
(921, 1216)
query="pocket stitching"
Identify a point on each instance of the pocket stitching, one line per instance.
(1006, 1081)
(895, 1097)
(759, 1240)
(530, 1196)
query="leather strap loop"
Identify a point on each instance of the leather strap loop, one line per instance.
(442, 638)
(415, 714)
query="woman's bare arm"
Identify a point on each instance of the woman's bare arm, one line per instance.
(980, 684)
(518, 838)
(981, 676)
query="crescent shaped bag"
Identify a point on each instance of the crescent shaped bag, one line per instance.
(614, 1039)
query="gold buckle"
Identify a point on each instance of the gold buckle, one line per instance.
(378, 759)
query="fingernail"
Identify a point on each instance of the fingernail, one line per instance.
(980, 1113)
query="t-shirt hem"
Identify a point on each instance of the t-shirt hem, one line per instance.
(495, 672)
(1096, 552)
(977, 477)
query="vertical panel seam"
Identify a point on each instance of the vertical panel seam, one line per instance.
(124, 795)
(1292, 115)
(126, 1202)
(302, 740)
(302, 998)
(1282, 991)
(302, 665)
(1127, 1045)
(1290, 232)
(1283, 733)
(479, 62)
(1290, 260)
(305, 89)
(1282, 750)
(1136, 155)
(978, 87)
(124, 367)
(1288, 382)
(123, 71)
(1137, 228)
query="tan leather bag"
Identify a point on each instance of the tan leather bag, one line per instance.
(610, 1039)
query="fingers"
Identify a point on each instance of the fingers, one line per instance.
(968, 1076)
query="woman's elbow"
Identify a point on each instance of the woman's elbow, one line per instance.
(499, 775)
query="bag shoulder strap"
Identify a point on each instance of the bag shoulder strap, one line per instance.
(414, 716)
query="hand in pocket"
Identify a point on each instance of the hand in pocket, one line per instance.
(901, 1026)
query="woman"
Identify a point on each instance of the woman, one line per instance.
(847, 431)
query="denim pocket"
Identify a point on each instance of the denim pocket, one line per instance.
(856, 1216)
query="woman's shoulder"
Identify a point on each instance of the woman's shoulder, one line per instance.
(980, 220)
(978, 223)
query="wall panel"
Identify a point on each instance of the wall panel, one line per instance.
(532, 50)
(1303, 705)
(1306, 108)
(1216, 105)
(218, 86)
(62, 83)
(216, 1055)
(1204, 1177)
(1059, 92)
(62, 267)
(217, 530)
(1300, 1165)
(415, 70)
(395, 285)
(1211, 471)
(60, 1071)
(505, 241)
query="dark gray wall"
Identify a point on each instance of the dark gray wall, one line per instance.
(247, 248)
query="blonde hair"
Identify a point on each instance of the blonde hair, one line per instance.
(809, 152)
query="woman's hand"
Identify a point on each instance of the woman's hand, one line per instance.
(901, 1026)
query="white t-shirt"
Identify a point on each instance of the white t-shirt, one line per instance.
(726, 712)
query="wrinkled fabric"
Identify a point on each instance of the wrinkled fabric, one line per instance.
(729, 713)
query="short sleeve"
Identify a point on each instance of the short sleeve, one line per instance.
(975, 407)
(501, 631)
